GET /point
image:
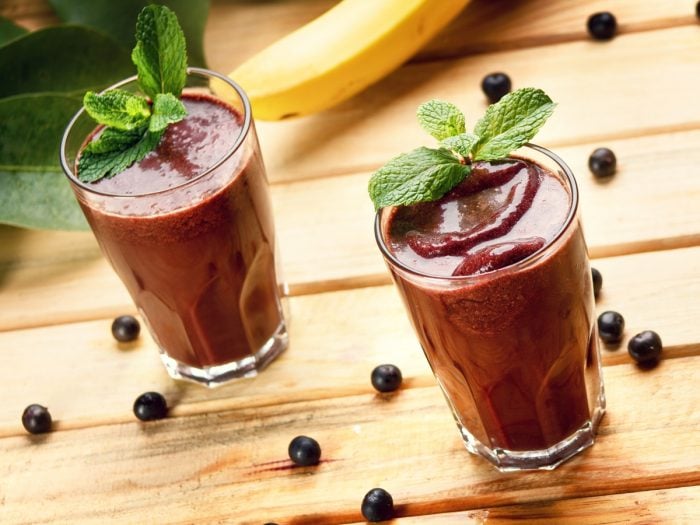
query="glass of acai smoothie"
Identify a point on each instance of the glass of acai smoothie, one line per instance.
(497, 284)
(189, 230)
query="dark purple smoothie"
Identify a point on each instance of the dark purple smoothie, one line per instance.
(195, 245)
(508, 323)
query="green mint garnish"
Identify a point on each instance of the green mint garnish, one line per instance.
(510, 123)
(423, 174)
(114, 151)
(159, 54)
(462, 143)
(441, 119)
(426, 174)
(167, 109)
(117, 109)
(133, 126)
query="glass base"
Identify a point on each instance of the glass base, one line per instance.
(545, 459)
(218, 375)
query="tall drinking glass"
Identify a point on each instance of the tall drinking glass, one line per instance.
(189, 230)
(515, 349)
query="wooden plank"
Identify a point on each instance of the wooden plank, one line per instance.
(234, 31)
(362, 133)
(483, 26)
(341, 336)
(233, 465)
(678, 506)
(604, 91)
(649, 205)
(628, 213)
(494, 25)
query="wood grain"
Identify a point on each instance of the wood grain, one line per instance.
(233, 32)
(604, 92)
(547, 24)
(341, 336)
(233, 466)
(649, 205)
(678, 506)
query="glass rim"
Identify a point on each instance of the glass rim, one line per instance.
(523, 263)
(191, 71)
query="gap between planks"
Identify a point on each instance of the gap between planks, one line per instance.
(241, 455)
(368, 326)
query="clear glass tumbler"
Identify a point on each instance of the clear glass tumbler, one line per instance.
(198, 256)
(514, 350)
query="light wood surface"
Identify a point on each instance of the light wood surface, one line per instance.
(220, 457)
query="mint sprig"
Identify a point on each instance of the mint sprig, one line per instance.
(426, 174)
(133, 124)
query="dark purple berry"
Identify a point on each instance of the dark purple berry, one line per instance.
(602, 26)
(611, 325)
(386, 378)
(602, 162)
(36, 419)
(304, 451)
(697, 9)
(125, 328)
(645, 347)
(377, 505)
(495, 86)
(597, 281)
(150, 406)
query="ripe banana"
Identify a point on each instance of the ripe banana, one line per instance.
(349, 47)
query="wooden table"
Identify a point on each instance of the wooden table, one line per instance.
(221, 456)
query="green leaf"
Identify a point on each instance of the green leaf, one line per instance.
(61, 59)
(9, 31)
(114, 151)
(118, 109)
(421, 175)
(39, 200)
(462, 143)
(167, 109)
(31, 127)
(160, 55)
(34, 193)
(441, 119)
(511, 122)
(118, 19)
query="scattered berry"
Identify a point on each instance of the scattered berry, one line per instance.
(697, 9)
(377, 505)
(645, 347)
(495, 86)
(36, 419)
(611, 325)
(125, 328)
(602, 162)
(602, 26)
(150, 406)
(304, 451)
(386, 378)
(597, 281)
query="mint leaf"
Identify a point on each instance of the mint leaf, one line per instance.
(167, 109)
(421, 175)
(511, 122)
(441, 119)
(160, 55)
(114, 151)
(134, 128)
(117, 109)
(462, 143)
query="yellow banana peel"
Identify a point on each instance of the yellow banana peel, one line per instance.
(340, 53)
